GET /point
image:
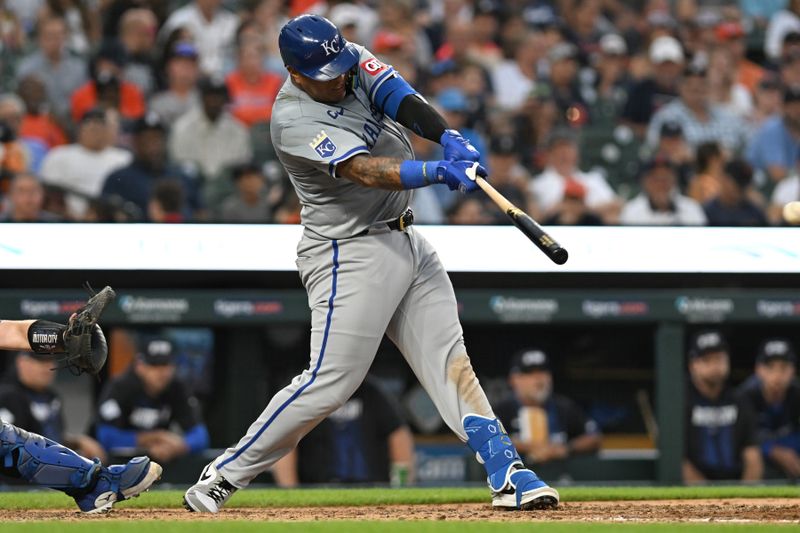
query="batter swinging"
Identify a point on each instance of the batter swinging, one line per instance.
(336, 129)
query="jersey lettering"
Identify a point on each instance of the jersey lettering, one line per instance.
(334, 114)
(371, 132)
(373, 66)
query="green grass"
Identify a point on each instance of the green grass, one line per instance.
(339, 496)
(382, 527)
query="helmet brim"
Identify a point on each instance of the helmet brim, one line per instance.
(344, 61)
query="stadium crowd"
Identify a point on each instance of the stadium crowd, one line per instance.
(678, 112)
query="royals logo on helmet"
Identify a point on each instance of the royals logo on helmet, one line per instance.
(323, 145)
(331, 46)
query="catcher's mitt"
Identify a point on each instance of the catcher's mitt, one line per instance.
(86, 348)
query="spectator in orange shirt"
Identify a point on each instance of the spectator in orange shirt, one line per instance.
(731, 35)
(106, 88)
(252, 89)
(37, 122)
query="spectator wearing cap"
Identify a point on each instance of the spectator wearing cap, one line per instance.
(210, 139)
(721, 439)
(252, 89)
(562, 81)
(137, 411)
(62, 74)
(543, 425)
(656, 91)
(701, 120)
(562, 168)
(773, 393)
(660, 202)
(25, 201)
(508, 175)
(774, 148)
(181, 93)
(252, 203)
(585, 26)
(80, 169)
(135, 182)
(731, 35)
(573, 211)
(213, 29)
(397, 18)
(107, 88)
(733, 207)
(724, 90)
(673, 147)
(137, 35)
(514, 79)
(782, 23)
(608, 86)
(28, 399)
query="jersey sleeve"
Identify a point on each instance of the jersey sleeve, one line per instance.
(384, 86)
(113, 407)
(310, 147)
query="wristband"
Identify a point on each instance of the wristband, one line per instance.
(46, 337)
(416, 174)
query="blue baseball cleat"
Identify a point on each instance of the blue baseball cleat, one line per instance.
(119, 482)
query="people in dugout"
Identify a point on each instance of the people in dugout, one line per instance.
(149, 409)
(29, 400)
(337, 127)
(721, 439)
(366, 440)
(773, 393)
(46, 463)
(543, 425)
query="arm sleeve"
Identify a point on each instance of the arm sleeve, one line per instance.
(384, 86)
(309, 147)
(113, 408)
(747, 425)
(111, 437)
(420, 117)
(197, 438)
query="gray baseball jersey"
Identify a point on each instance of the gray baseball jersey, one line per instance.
(311, 138)
(360, 286)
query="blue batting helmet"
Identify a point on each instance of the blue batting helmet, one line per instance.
(315, 47)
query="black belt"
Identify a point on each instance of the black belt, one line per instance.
(398, 224)
(402, 222)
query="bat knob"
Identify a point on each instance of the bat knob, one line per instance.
(559, 256)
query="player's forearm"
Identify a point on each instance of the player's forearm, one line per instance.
(690, 473)
(377, 172)
(753, 464)
(14, 334)
(587, 443)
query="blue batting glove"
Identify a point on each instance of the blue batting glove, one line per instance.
(460, 175)
(457, 148)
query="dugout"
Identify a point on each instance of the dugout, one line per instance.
(615, 318)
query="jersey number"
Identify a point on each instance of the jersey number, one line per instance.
(373, 66)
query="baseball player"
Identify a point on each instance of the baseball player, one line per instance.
(336, 127)
(41, 461)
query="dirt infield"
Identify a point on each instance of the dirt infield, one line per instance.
(738, 510)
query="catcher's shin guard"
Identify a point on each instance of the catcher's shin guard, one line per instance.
(43, 462)
(513, 486)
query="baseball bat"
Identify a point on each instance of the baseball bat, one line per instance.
(526, 224)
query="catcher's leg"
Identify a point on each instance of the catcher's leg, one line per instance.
(426, 330)
(96, 488)
(351, 304)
